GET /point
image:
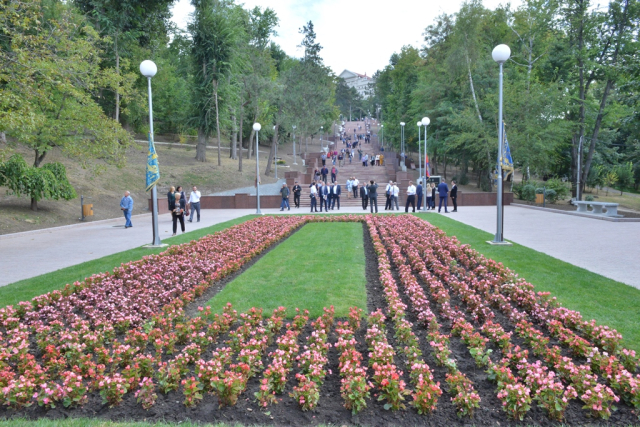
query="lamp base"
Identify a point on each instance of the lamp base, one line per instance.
(503, 243)
(151, 245)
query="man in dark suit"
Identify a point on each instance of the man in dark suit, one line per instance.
(364, 196)
(335, 195)
(372, 189)
(419, 194)
(443, 189)
(324, 197)
(454, 196)
(296, 194)
(324, 172)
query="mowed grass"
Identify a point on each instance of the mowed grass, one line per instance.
(321, 265)
(26, 289)
(596, 297)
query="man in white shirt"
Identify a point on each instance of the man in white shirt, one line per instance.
(194, 201)
(411, 197)
(354, 185)
(313, 192)
(396, 192)
(388, 192)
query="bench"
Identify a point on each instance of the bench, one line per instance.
(611, 209)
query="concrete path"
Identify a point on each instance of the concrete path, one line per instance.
(611, 249)
(607, 248)
(265, 189)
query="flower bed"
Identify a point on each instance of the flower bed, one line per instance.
(453, 338)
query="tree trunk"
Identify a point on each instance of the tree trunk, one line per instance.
(39, 158)
(240, 139)
(473, 91)
(201, 147)
(217, 122)
(34, 204)
(117, 115)
(3, 138)
(251, 149)
(234, 139)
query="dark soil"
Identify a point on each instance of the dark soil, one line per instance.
(330, 409)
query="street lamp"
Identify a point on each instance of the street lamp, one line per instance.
(425, 123)
(419, 152)
(148, 69)
(501, 54)
(257, 127)
(275, 158)
(321, 135)
(295, 159)
(404, 164)
(382, 132)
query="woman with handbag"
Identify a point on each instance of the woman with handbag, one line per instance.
(177, 213)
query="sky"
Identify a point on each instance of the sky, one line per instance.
(356, 35)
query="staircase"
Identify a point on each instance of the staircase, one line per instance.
(380, 174)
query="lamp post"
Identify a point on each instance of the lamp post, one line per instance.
(404, 164)
(148, 69)
(382, 132)
(275, 158)
(501, 54)
(321, 135)
(257, 127)
(295, 159)
(425, 123)
(419, 153)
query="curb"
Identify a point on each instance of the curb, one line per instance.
(591, 216)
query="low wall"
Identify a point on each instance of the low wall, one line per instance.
(245, 201)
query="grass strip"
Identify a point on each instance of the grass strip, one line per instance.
(596, 297)
(24, 290)
(322, 264)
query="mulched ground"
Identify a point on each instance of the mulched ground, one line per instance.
(169, 407)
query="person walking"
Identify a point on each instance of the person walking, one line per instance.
(324, 197)
(388, 192)
(171, 198)
(428, 190)
(364, 196)
(324, 159)
(395, 194)
(313, 193)
(411, 197)
(336, 191)
(419, 195)
(349, 186)
(355, 185)
(296, 194)
(284, 191)
(177, 213)
(194, 203)
(433, 196)
(334, 174)
(372, 189)
(454, 195)
(443, 189)
(365, 159)
(126, 205)
(324, 172)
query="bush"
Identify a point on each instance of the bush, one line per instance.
(540, 190)
(281, 162)
(464, 179)
(528, 193)
(561, 188)
(588, 198)
(551, 195)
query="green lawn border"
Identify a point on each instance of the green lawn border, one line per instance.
(320, 265)
(609, 302)
(24, 290)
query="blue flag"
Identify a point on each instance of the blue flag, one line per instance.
(153, 171)
(506, 161)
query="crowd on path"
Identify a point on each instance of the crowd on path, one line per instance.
(179, 206)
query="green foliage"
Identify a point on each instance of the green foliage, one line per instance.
(625, 175)
(48, 182)
(525, 191)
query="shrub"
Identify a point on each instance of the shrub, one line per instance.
(528, 192)
(588, 198)
(551, 195)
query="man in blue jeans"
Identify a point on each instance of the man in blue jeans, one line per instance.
(126, 205)
(284, 191)
(443, 189)
(194, 202)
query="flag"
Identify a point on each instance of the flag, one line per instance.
(426, 166)
(506, 161)
(153, 171)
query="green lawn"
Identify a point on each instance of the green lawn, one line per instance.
(24, 290)
(609, 302)
(323, 264)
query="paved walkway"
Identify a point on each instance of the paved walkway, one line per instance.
(607, 248)
(265, 189)
(611, 249)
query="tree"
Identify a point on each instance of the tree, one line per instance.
(48, 182)
(214, 30)
(50, 75)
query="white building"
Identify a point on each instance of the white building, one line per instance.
(361, 82)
